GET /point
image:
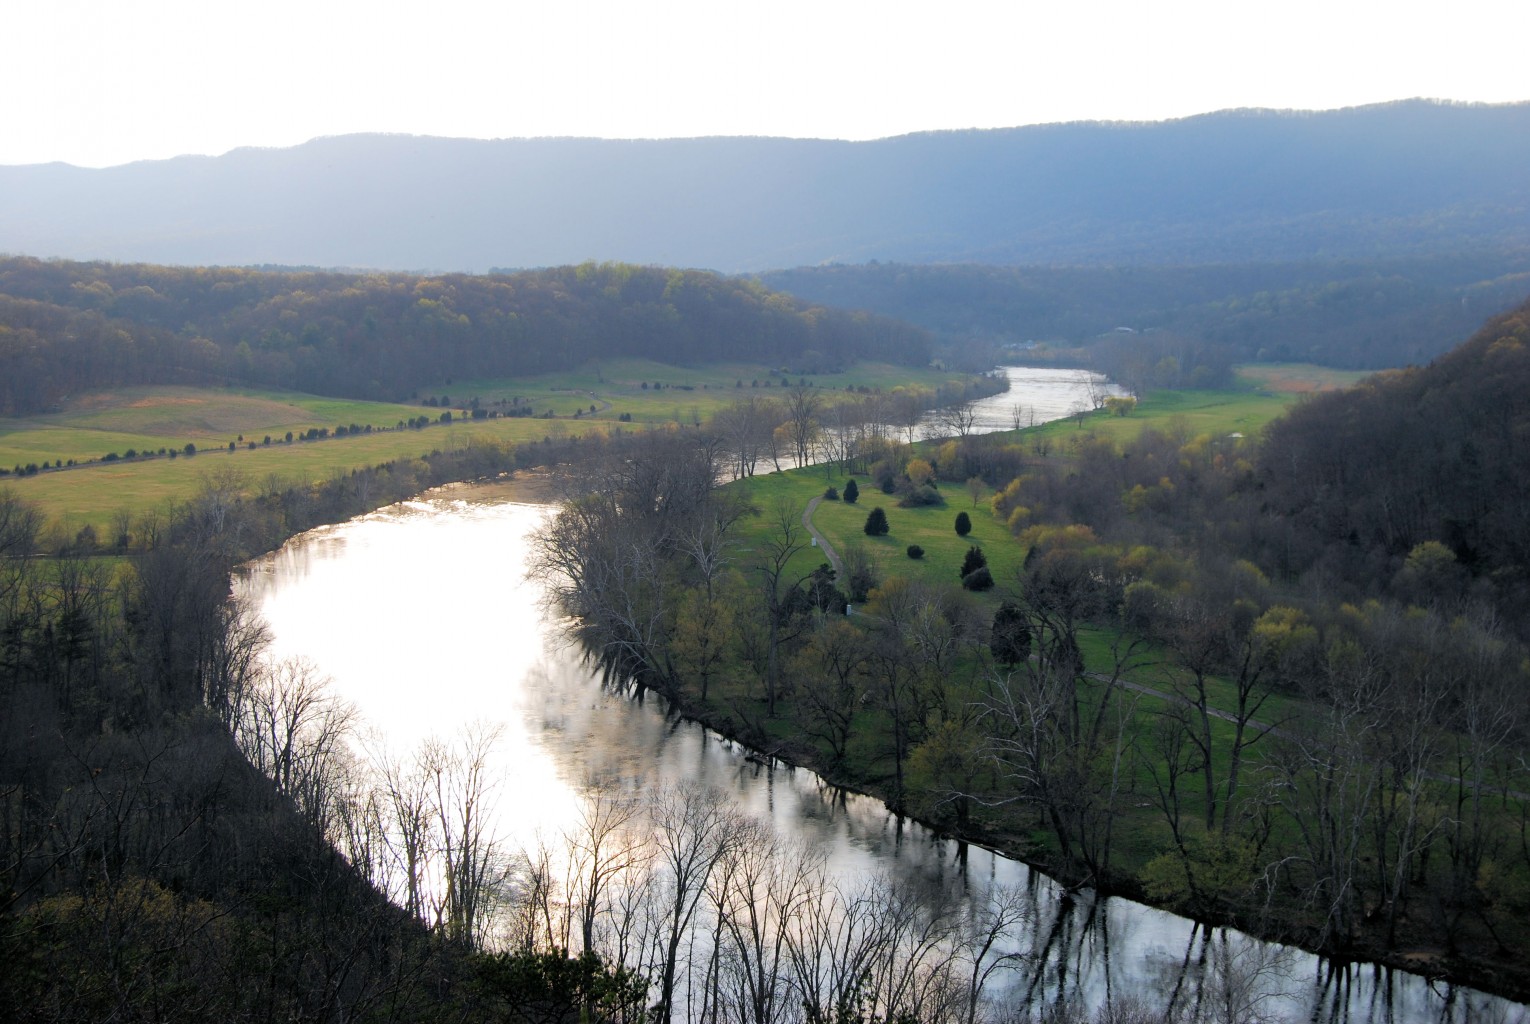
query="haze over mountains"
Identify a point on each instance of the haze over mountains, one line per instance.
(1397, 179)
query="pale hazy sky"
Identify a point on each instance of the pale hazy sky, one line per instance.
(101, 82)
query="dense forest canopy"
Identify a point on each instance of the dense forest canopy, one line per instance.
(65, 327)
(1438, 454)
(1403, 178)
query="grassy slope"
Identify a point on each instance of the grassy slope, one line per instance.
(1142, 834)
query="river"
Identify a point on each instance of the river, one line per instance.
(1036, 395)
(422, 617)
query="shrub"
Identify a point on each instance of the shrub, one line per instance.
(831, 494)
(920, 497)
(978, 579)
(963, 524)
(915, 551)
(852, 491)
(876, 523)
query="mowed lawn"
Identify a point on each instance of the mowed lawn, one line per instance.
(932, 528)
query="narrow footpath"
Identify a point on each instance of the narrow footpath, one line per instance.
(828, 552)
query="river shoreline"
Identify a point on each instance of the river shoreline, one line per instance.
(1469, 970)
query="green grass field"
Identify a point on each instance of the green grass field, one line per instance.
(1186, 413)
(842, 524)
(147, 419)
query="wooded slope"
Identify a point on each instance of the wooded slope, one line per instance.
(65, 327)
(1437, 453)
(1371, 313)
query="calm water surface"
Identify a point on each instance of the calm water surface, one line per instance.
(1042, 394)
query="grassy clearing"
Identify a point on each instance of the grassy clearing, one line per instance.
(1189, 413)
(843, 524)
(1264, 392)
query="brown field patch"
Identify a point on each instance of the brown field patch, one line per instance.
(1299, 378)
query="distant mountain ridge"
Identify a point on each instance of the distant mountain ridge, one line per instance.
(1401, 178)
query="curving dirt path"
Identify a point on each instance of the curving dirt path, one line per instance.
(828, 552)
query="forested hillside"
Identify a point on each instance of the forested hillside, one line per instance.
(65, 327)
(1433, 460)
(1367, 313)
(1403, 178)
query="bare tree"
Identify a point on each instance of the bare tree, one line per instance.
(991, 920)
(957, 419)
(474, 865)
(802, 406)
(404, 797)
(295, 731)
(1017, 420)
(774, 557)
(606, 850)
(746, 426)
(693, 831)
(759, 889)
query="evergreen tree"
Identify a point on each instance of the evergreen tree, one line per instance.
(851, 491)
(974, 561)
(978, 579)
(876, 523)
(1010, 640)
(963, 524)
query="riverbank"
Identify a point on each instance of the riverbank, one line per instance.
(1498, 975)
